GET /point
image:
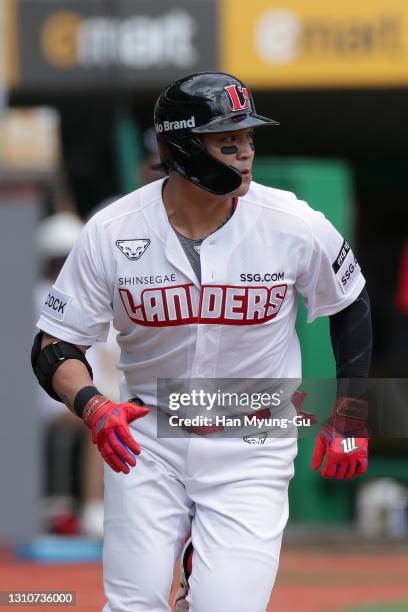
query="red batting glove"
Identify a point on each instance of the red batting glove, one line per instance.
(110, 431)
(343, 440)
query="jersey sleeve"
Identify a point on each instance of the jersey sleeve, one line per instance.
(331, 278)
(78, 306)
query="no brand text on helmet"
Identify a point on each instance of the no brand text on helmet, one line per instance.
(168, 126)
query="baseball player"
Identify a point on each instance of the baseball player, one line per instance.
(200, 274)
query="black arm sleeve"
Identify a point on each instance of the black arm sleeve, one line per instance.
(351, 338)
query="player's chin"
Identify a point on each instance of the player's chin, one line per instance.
(243, 188)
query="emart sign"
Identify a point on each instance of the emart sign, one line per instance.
(70, 41)
(315, 44)
(81, 43)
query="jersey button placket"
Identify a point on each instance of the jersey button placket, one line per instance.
(208, 335)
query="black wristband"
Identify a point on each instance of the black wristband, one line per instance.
(82, 398)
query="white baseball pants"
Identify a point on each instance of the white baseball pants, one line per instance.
(234, 495)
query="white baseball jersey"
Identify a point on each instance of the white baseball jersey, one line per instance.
(130, 268)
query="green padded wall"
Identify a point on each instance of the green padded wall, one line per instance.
(327, 186)
(129, 153)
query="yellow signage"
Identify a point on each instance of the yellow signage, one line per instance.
(311, 43)
(9, 42)
(59, 38)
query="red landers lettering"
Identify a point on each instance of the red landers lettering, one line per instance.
(219, 305)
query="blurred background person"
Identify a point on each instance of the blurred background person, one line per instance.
(151, 167)
(74, 471)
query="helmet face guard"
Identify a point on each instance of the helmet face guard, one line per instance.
(190, 158)
(203, 103)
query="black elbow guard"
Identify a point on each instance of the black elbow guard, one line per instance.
(46, 361)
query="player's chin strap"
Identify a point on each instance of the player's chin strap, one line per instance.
(46, 361)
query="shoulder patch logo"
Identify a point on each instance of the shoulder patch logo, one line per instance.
(256, 438)
(133, 249)
(346, 267)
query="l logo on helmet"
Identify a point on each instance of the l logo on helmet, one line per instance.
(239, 97)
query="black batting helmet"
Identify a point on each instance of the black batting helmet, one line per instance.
(198, 104)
